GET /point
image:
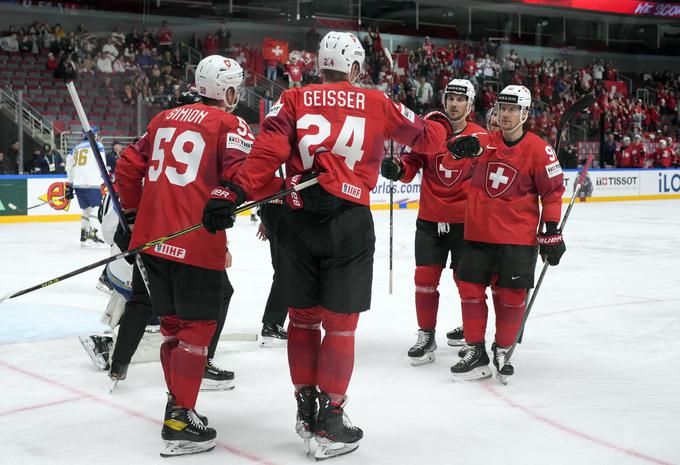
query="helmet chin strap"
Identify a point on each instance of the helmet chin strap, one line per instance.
(522, 120)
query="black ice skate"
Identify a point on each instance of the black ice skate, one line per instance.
(98, 348)
(334, 434)
(118, 372)
(184, 433)
(92, 239)
(216, 379)
(273, 335)
(474, 365)
(83, 236)
(171, 403)
(307, 410)
(503, 366)
(422, 351)
(455, 337)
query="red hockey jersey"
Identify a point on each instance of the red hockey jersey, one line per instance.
(503, 197)
(337, 129)
(443, 189)
(184, 154)
(625, 158)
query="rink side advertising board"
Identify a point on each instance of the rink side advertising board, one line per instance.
(45, 193)
(624, 7)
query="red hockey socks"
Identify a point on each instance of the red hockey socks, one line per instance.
(509, 312)
(475, 311)
(427, 296)
(184, 358)
(304, 341)
(336, 360)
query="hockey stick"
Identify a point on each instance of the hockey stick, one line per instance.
(103, 172)
(15, 208)
(158, 241)
(578, 106)
(391, 218)
(560, 229)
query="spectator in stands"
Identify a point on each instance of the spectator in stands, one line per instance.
(117, 37)
(52, 62)
(53, 160)
(424, 92)
(411, 99)
(104, 63)
(312, 39)
(10, 43)
(66, 69)
(609, 151)
(36, 164)
(294, 71)
(196, 42)
(128, 97)
(13, 155)
(223, 36)
(6, 165)
(110, 48)
(568, 157)
(272, 67)
(143, 59)
(164, 37)
(58, 32)
(133, 39)
(210, 45)
(86, 65)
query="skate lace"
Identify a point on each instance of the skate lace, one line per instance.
(470, 354)
(423, 339)
(213, 366)
(501, 356)
(195, 421)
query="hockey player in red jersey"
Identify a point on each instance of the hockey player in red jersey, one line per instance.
(326, 235)
(625, 158)
(664, 155)
(181, 160)
(501, 223)
(439, 227)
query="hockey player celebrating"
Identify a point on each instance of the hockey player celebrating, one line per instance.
(326, 237)
(439, 228)
(501, 224)
(184, 156)
(85, 181)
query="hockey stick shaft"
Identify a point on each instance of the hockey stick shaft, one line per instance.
(391, 220)
(104, 173)
(160, 240)
(544, 270)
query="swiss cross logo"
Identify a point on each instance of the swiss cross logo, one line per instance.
(227, 63)
(278, 51)
(499, 178)
(447, 176)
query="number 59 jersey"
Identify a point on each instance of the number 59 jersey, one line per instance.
(338, 130)
(168, 176)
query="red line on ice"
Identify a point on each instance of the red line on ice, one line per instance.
(39, 406)
(84, 395)
(569, 430)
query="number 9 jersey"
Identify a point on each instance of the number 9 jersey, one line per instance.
(338, 130)
(169, 173)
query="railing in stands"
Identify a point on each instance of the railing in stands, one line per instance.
(262, 84)
(33, 122)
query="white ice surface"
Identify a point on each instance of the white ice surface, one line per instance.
(597, 378)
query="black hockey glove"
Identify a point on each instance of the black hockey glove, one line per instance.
(441, 118)
(122, 239)
(392, 169)
(314, 199)
(68, 193)
(220, 210)
(464, 147)
(550, 244)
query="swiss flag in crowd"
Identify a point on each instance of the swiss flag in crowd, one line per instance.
(273, 49)
(619, 86)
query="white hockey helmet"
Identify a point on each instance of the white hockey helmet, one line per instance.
(462, 87)
(626, 140)
(338, 51)
(663, 143)
(518, 95)
(215, 75)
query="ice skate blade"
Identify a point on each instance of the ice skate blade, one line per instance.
(502, 378)
(272, 342)
(175, 448)
(97, 359)
(455, 342)
(473, 375)
(429, 357)
(114, 383)
(334, 449)
(213, 385)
